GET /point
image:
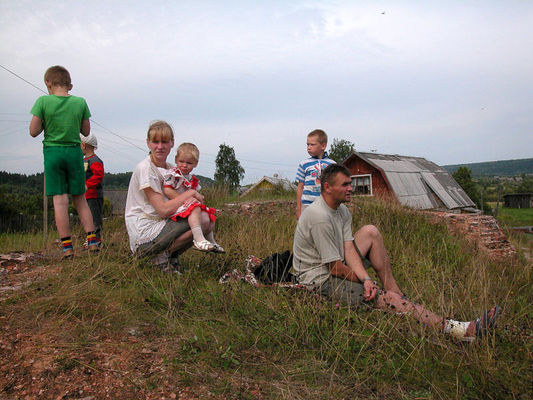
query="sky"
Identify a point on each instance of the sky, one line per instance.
(450, 81)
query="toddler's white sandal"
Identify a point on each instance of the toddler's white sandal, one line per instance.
(203, 245)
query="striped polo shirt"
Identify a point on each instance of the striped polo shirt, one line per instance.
(309, 172)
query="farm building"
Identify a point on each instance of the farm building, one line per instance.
(413, 181)
(518, 200)
(270, 184)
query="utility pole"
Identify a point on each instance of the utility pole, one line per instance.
(498, 201)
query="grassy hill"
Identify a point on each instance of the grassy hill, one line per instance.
(496, 168)
(112, 326)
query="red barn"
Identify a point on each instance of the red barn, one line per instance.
(413, 181)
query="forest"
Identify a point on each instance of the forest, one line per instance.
(507, 168)
(21, 198)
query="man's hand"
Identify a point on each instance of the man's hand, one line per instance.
(370, 290)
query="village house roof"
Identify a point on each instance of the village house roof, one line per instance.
(273, 181)
(416, 181)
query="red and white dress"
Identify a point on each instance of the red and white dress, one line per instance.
(174, 179)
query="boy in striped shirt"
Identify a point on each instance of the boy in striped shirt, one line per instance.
(309, 170)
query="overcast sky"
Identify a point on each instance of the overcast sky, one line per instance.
(450, 81)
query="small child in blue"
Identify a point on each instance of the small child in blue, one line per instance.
(309, 170)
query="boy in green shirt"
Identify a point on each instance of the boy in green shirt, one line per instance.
(63, 117)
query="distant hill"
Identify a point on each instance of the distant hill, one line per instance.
(496, 168)
(34, 183)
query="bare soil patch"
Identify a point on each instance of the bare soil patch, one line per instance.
(38, 361)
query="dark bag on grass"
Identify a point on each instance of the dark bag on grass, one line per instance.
(275, 268)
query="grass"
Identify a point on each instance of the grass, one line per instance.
(512, 217)
(516, 216)
(235, 339)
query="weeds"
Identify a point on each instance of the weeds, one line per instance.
(290, 343)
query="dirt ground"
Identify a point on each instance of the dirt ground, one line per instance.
(36, 363)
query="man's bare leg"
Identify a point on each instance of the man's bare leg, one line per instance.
(393, 302)
(370, 243)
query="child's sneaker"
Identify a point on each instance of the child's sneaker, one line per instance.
(93, 247)
(92, 243)
(86, 245)
(67, 254)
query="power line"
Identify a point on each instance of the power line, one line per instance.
(117, 135)
(92, 120)
(20, 77)
(127, 140)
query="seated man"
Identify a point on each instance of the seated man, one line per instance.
(326, 259)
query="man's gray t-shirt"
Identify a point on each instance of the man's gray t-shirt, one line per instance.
(318, 240)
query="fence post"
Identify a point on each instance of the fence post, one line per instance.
(45, 212)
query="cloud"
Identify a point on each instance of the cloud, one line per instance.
(433, 80)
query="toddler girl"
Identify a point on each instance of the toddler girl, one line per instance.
(178, 181)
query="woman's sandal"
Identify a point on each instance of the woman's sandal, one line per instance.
(203, 245)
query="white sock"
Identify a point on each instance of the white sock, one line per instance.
(456, 329)
(211, 237)
(197, 233)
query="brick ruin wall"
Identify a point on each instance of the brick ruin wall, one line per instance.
(482, 229)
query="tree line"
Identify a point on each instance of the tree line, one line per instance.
(22, 194)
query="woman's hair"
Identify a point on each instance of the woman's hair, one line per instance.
(160, 129)
(189, 149)
(58, 76)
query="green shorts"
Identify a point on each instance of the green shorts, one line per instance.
(63, 170)
(345, 291)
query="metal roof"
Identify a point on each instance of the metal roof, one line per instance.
(416, 181)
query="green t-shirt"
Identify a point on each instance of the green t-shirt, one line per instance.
(62, 117)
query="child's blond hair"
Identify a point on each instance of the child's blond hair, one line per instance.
(160, 129)
(58, 76)
(320, 135)
(189, 149)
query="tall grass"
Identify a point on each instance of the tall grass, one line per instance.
(288, 342)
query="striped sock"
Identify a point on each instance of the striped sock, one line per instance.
(66, 242)
(91, 238)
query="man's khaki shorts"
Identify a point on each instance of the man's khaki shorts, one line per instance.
(344, 291)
